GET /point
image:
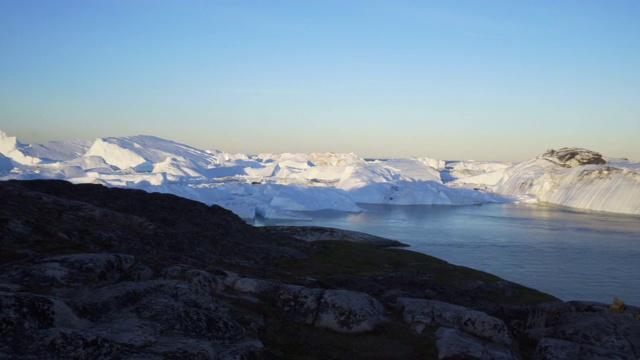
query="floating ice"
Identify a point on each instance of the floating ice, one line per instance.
(287, 185)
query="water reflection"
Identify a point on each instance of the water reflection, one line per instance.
(569, 253)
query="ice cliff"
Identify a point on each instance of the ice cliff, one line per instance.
(282, 185)
(575, 177)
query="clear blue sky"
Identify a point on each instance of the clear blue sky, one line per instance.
(502, 80)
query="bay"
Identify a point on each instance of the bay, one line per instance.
(569, 253)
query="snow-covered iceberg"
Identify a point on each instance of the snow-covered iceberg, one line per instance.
(575, 177)
(13, 149)
(284, 185)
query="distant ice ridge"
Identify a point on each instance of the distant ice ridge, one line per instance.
(287, 185)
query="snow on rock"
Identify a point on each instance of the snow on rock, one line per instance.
(574, 177)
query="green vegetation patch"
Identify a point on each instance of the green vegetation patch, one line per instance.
(343, 259)
(288, 340)
(394, 340)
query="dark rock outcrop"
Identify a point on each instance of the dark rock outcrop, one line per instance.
(88, 272)
(586, 329)
(571, 157)
(319, 233)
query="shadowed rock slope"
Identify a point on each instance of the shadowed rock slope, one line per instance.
(89, 272)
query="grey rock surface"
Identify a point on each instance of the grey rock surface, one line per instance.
(591, 330)
(88, 272)
(299, 303)
(349, 311)
(470, 321)
(455, 344)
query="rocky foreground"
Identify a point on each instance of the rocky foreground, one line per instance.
(89, 272)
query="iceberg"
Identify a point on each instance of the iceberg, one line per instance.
(12, 148)
(290, 185)
(5, 163)
(575, 177)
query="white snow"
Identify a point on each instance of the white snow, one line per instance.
(115, 154)
(611, 187)
(291, 185)
(487, 179)
(465, 170)
(57, 150)
(13, 149)
(8, 143)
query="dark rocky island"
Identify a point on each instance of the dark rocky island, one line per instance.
(90, 272)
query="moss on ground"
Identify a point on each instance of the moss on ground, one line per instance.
(288, 340)
(343, 259)
(394, 340)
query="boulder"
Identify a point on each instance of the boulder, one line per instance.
(421, 312)
(202, 280)
(175, 346)
(76, 270)
(178, 307)
(555, 349)
(298, 303)
(349, 311)
(63, 343)
(22, 312)
(253, 286)
(128, 330)
(583, 330)
(455, 344)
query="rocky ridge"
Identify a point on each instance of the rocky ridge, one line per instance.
(571, 157)
(89, 272)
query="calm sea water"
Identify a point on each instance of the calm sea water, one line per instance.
(571, 254)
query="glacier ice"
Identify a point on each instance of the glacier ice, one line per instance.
(287, 185)
(577, 178)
